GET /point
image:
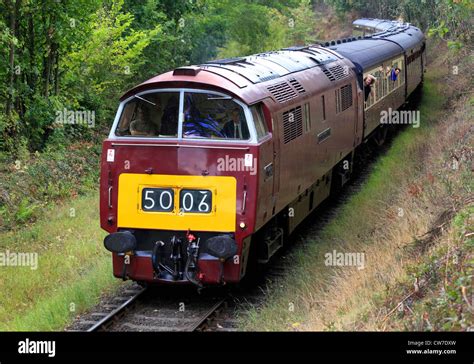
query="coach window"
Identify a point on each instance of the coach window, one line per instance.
(401, 76)
(210, 116)
(378, 85)
(150, 115)
(371, 99)
(259, 121)
(385, 81)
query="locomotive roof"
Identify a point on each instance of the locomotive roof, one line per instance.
(235, 74)
(271, 65)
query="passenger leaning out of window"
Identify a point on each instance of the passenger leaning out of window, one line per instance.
(369, 80)
(393, 73)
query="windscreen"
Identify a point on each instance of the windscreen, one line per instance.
(215, 117)
(151, 115)
(203, 116)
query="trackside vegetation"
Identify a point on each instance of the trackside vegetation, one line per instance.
(72, 271)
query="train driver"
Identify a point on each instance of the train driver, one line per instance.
(234, 128)
(140, 126)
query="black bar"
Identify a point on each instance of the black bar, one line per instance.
(357, 347)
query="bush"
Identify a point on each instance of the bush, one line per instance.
(38, 120)
(34, 180)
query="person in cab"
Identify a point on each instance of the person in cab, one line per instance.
(234, 128)
(140, 125)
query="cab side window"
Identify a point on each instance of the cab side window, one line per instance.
(258, 119)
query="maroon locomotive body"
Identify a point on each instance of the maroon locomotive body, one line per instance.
(208, 168)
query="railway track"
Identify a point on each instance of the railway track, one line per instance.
(121, 308)
(146, 309)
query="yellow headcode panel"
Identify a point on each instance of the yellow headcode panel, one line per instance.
(167, 202)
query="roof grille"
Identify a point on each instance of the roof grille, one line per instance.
(298, 87)
(292, 124)
(282, 92)
(268, 78)
(339, 72)
(328, 74)
(336, 72)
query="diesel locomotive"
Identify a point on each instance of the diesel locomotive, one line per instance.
(207, 169)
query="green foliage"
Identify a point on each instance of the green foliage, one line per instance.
(82, 55)
(447, 19)
(39, 118)
(441, 30)
(302, 27)
(455, 45)
(30, 182)
(93, 76)
(25, 211)
(452, 272)
(256, 28)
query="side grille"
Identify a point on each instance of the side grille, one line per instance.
(343, 98)
(346, 97)
(292, 124)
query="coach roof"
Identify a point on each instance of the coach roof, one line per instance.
(368, 52)
(374, 49)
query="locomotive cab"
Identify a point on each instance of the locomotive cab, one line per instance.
(178, 167)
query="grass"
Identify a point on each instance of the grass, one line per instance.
(31, 182)
(444, 276)
(73, 268)
(410, 187)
